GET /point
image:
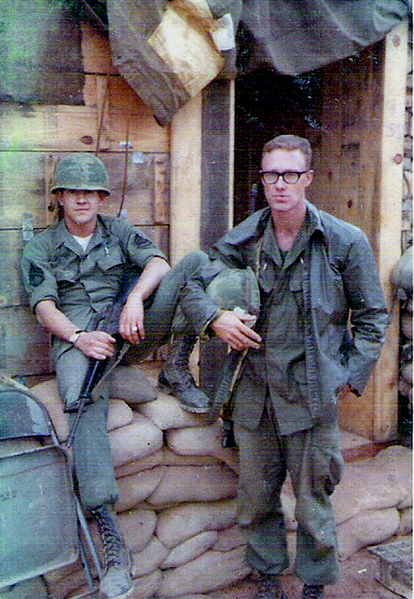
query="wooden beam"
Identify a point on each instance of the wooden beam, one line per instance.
(217, 161)
(217, 199)
(389, 222)
(185, 197)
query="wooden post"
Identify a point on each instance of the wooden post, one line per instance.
(217, 161)
(389, 222)
(185, 195)
(202, 140)
(217, 198)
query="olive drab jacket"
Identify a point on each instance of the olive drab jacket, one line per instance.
(345, 314)
(83, 284)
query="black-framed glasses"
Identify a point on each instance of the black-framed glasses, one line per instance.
(290, 177)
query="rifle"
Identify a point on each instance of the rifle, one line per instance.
(109, 323)
(222, 401)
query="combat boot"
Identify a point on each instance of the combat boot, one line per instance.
(270, 587)
(116, 580)
(313, 591)
(176, 377)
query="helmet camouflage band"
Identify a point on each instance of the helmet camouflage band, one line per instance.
(80, 171)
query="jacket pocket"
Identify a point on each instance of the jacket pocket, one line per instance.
(110, 257)
(296, 288)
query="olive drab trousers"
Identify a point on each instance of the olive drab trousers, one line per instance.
(91, 447)
(314, 461)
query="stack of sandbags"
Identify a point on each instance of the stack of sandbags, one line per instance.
(372, 503)
(177, 505)
(177, 486)
(374, 500)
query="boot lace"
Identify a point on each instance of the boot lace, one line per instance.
(179, 366)
(111, 541)
(312, 592)
(270, 586)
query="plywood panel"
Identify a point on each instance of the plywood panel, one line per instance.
(75, 128)
(22, 189)
(361, 182)
(24, 181)
(131, 119)
(356, 414)
(61, 128)
(127, 115)
(346, 183)
(24, 344)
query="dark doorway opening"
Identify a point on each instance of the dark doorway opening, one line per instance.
(269, 104)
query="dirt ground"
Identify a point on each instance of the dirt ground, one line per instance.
(359, 580)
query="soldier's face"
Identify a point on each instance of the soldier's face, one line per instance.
(81, 209)
(281, 196)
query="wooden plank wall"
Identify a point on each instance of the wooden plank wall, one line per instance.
(360, 180)
(347, 174)
(114, 122)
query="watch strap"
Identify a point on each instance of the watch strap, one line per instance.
(73, 338)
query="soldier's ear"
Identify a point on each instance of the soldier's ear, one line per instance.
(309, 175)
(102, 198)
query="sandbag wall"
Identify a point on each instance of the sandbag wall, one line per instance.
(177, 504)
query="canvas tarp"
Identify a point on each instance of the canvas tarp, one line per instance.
(297, 37)
(165, 49)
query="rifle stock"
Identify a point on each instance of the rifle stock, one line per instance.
(96, 368)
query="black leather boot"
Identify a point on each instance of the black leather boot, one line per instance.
(116, 580)
(176, 377)
(270, 587)
(313, 591)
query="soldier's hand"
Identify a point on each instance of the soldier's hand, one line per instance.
(96, 344)
(230, 327)
(131, 324)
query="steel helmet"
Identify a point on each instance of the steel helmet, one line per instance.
(236, 287)
(230, 288)
(80, 171)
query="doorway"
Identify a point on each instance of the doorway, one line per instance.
(339, 109)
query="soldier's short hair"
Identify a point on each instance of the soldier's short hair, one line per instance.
(290, 142)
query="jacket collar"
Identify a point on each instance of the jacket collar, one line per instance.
(313, 213)
(315, 218)
(63, 237)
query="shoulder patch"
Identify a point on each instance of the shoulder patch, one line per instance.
(142, 240)
(36, 275)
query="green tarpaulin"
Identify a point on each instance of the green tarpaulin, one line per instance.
(289, 37)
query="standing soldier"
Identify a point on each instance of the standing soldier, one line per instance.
(72, 273)
(319, 334)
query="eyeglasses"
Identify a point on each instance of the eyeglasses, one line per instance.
(290, 177)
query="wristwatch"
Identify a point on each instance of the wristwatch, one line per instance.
(73, 338)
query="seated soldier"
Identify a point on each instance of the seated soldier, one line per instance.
(72, 272)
